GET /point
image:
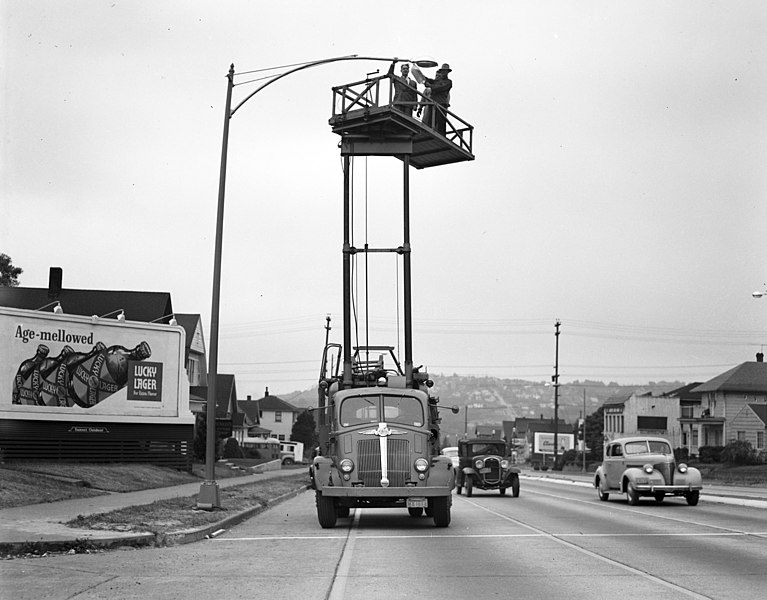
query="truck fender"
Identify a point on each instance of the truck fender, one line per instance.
(325, 473)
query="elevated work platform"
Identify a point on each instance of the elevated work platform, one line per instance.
(370, 126)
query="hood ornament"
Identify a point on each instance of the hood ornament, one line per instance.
(383, 431)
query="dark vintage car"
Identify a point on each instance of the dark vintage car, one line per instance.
(486, 464)
(645, 466)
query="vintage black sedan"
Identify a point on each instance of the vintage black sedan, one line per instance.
(645, 466)
(486, 464)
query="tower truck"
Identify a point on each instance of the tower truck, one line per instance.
(378, 420)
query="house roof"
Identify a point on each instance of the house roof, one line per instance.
(250, 409)
(760, 410)
(137, 306)
(274, 403)
(617, 400)
(685, 392)
(746, 377)
(226, 395)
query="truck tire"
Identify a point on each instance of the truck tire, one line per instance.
(441, 510)
(326, 511)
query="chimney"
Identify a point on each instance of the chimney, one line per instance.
(54, 282)
(759, 357)
(266, 393)
(249, 398)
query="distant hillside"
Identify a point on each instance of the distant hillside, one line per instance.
(491, 400)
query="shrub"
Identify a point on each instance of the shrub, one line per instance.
(682, 454)
(232, 449)
(740, 453)
(710, 454)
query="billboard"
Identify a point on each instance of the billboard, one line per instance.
(70, 367)
(544, 442)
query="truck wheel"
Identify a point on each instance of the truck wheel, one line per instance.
(441, 510)
(288, 461)
(415, 512)
(458, 489)
(515, 487)
(326, 511)
(469, 486)
(692, 498)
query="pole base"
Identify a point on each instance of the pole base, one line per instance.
(209, 496)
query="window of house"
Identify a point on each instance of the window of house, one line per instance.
(278, 416)
(760, 439)
(281, 437)
(653, 423)
(741, 436)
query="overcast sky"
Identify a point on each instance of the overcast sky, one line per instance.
(619, 183)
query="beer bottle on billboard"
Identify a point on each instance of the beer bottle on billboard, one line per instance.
(22, 393)
(41, 380)
(81, 376)
(55, 375)
(105, 373)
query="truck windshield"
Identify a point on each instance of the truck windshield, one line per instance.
(359, 410)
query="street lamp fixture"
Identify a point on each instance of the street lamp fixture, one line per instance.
(759, 294)
(209, 497)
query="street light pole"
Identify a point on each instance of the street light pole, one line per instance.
(209, 497)
(555, 379)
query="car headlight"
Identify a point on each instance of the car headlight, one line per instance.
(478, 464)
(421, 465)
(504, 464)
(682, 468)
(346, 465)
(648, 469)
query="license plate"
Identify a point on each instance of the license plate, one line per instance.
(484, 470)
(417, 503)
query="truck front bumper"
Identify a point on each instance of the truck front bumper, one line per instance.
(385, 492)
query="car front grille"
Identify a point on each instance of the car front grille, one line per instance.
(667, 470)
(369, 458)
(494, 475)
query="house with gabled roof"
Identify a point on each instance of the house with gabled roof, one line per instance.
(227, 411)
(733, 404)
(277, 415)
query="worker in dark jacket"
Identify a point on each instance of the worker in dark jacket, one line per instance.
(405, 89)
(438, 89)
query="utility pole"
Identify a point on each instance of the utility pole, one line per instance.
(583, 448)
(555, 380)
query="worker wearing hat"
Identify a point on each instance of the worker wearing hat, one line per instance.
(439, 91)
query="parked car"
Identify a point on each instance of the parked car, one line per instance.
(486, 464)
(645, 466)
(452, 453)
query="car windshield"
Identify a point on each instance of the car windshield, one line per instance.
(486, 448)
(359, 410)
(450, 452)
(647, 447)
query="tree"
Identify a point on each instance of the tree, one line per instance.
(595, 434)
(9, 275)
(305, 430)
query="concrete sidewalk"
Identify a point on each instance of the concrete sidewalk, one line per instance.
(42, 525)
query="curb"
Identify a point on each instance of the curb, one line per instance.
(138, 540)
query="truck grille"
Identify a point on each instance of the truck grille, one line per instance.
(494, 475)
(369, 467)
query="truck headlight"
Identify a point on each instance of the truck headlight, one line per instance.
(504, 464)
(682, 468)
(346, 465)
(648, 469)
(478, 464)
(421, 465)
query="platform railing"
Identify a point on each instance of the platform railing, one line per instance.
(377, 92)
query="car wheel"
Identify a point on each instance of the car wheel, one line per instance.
(458, 489)
(503, 491)
(288, 462)
(692, 498)
(415, 511)
(326, 511)
(441, 509)
(632, 494)
(469, 487)
(515, 487)
(659, 496)
(603, 496)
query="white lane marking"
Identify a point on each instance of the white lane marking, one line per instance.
(341, 576)
(610, 561)
(654, 515)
